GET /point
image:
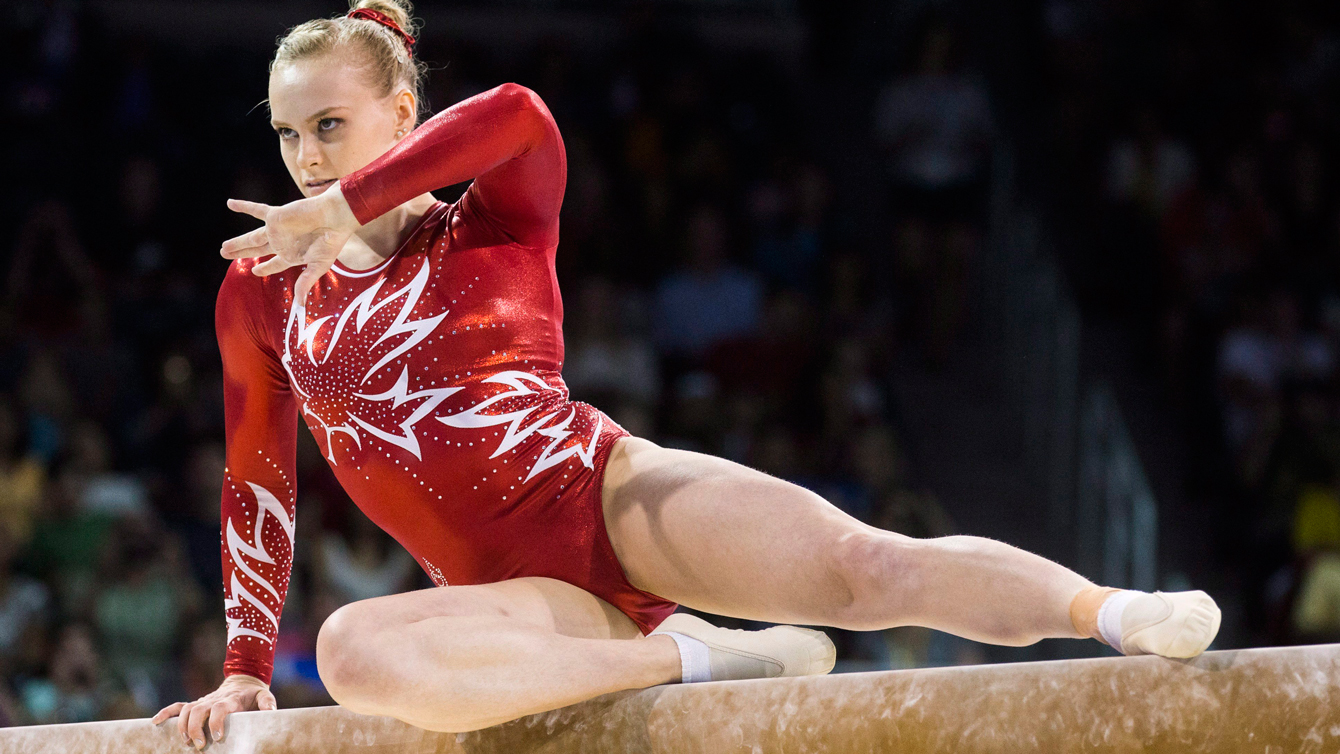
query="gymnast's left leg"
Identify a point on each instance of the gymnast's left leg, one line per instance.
(720, 537)
(461, 658)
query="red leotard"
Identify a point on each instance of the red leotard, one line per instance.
(431, 383)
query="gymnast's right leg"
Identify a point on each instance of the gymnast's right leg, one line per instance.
(461, 658)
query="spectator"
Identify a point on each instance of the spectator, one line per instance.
(49, 405)
(773, 364)
(64, 547)
(1255, 359)
(365, 565)
(25, 604)
(1316, 616)
(200, 670)
(709, 301)
(143, 605)
(788, 218)
(101, 490)
(1316, 611)
(606, 362)
(695, 419)
(74, 689)
(1277, 349)
(22, 476)
(52, 287)
(851, 396)
(1211, 238)
(197, 520)
(935, 126)
(1148, 169)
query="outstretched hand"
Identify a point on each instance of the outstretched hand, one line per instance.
(309, 232)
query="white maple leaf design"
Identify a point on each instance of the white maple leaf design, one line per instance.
(373, 333)
(328, 390)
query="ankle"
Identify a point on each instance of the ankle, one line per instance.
(695, 658)
(1084, 609)
(664, 661)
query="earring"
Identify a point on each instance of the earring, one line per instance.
(399, 133)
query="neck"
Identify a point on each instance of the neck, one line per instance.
(379, 239)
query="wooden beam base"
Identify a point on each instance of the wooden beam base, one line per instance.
(1254, 700)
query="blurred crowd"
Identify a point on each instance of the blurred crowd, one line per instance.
(717, 300)
(1193, 145)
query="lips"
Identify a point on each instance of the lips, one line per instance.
(319, 186)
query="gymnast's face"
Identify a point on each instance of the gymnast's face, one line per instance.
(330, 121)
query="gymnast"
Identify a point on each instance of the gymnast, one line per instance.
(421, 342)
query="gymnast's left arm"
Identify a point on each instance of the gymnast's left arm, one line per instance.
(504, 139)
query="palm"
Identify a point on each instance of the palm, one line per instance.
(304, 244)
(308, 232)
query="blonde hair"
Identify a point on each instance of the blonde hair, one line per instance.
(385, 55)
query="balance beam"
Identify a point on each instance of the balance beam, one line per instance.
(1258, 700)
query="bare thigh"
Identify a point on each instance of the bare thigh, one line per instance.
(546, 603)
(714, 535)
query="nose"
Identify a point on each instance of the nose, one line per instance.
(309, 152)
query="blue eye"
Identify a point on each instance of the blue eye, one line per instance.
(325, 124)
(285, 133)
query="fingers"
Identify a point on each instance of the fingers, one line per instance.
(271, 266)
(183, 717)
(310, 274)
(195, 726)
(169, 711)
(265, 700)
(264, 250)
(217, 715)
(245, 244)
(255, 209)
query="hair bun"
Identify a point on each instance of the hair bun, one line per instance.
(400, 11)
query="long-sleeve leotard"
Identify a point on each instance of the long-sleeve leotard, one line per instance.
(430, 382)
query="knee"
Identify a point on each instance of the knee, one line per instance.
(880, 573)
(344, 657)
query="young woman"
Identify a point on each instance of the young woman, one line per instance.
(421, 343)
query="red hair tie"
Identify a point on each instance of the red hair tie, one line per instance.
(377, 16)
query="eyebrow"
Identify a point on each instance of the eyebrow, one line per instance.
(318, 115)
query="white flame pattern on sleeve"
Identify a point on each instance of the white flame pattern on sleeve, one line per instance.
(238, 596)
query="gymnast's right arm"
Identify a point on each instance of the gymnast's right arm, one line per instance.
(261, 423)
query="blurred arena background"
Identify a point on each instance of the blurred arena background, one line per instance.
(1064, 273)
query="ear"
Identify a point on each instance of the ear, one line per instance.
(406, 110)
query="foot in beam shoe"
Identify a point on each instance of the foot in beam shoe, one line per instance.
(1170, 624)
(712, 653)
